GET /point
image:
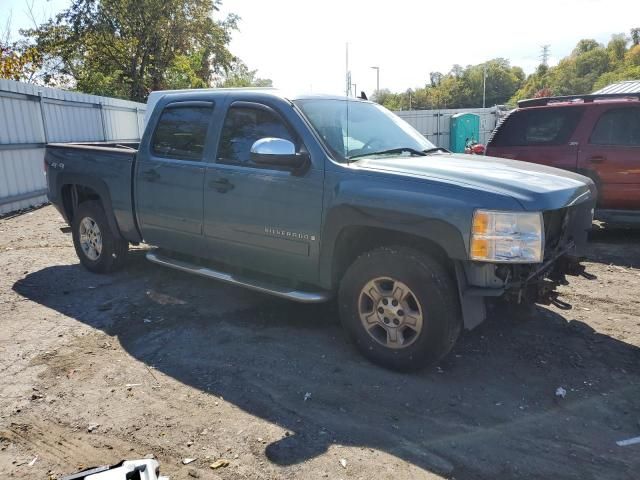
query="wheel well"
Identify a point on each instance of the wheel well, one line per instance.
(353, 241)
(74, 195)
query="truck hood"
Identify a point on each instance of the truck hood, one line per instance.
(535, 187)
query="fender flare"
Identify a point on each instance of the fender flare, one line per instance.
(99, 186)
(437, 231)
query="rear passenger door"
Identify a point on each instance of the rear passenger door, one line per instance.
(170, 177)
(260, 218)
(544, 135)
(611, 156)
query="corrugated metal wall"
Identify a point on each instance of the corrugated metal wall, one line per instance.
(435, 124)
(31, 116)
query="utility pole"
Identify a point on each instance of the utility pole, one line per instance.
(484, 85)
(347, 72)
(377, 69)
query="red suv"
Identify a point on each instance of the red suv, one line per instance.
(595, 135)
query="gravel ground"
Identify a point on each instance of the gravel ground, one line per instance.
(148, 361)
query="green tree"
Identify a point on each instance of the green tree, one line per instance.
(126, 48)
(239, 75)
(590, 66)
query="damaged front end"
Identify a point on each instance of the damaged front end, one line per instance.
(540, 285)
(565, 235)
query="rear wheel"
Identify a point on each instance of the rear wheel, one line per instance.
(97, 247)
(400, 307)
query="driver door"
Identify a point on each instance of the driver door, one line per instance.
(260, 218)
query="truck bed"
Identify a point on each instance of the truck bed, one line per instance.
(106, 168)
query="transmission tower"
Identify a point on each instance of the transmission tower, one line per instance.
(545, 54)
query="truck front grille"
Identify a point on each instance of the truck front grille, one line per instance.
(555, 230)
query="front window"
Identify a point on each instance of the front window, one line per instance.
(353, 128)
(242, 127)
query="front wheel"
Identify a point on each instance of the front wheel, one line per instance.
(400, 307)
(97, 247)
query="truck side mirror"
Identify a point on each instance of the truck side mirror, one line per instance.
(277, 152)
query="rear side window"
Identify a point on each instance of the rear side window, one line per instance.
(548, 126)
(242, 127)
(620, 126)
(182, 132)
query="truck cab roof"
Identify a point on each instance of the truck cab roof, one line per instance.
(266, 92)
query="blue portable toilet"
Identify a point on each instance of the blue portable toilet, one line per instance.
(464, 127)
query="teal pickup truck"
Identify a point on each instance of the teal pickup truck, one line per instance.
(313, 197)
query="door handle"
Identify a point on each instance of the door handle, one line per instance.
(151, 175)
(221, 185)
(597, 159)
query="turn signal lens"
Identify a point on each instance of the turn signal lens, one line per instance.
(480, 223)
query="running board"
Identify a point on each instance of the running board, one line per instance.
(276, 290)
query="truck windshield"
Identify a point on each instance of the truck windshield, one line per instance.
(351, 128)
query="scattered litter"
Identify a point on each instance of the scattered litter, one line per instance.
(92, 427)
(343, 462)
(187, 461)
(131, 385)
(628, 441)
(439, 370)
(146, 320)
(32, 462)
(561, 392)
(307, 396)
(219, 463)
(189, 443)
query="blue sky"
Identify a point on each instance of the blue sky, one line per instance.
(301, 44)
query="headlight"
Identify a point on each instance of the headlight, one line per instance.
(515, 237)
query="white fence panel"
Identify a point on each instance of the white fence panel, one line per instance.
(435, 124)
(22, 182)
(72, 122)
(121, 124)
(31, 116)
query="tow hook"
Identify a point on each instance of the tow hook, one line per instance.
(555, 300)
(573, 266)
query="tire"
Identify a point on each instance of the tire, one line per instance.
(423, 334)
(99, 251)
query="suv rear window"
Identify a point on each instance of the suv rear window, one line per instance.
(540, 126)
(620, 126)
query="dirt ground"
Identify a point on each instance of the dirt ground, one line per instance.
(148, 361)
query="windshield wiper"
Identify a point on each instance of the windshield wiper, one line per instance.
(391, 151)
(434, 150)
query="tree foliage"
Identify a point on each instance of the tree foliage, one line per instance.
(589, 66)
(18, 62)
(461, 87)
(239, 75)
(126, 48)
